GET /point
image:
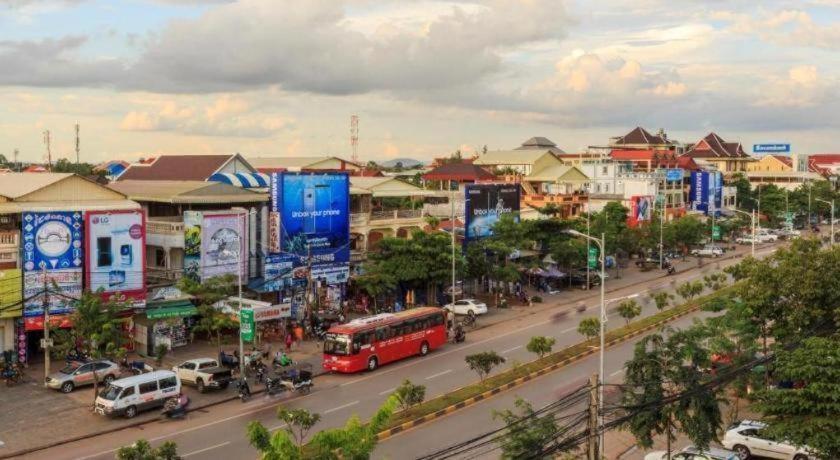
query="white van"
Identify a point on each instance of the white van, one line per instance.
(140, 392)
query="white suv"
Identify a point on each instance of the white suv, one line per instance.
(746, 439)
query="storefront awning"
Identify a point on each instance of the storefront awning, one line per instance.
(242, 180)
(172, 310)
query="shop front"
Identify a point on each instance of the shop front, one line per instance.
(271, 320)
(164, 322)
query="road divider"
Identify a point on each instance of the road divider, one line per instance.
(468, 395)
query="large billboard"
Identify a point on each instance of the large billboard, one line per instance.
(53, 256)
(485, 205)
(314, 215)
(116, 255)
(641, 209)
(215, 244)
(706, 192)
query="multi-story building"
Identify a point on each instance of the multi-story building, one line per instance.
(727, 157)
(784, 171)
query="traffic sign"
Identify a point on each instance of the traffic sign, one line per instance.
(593, 257)
(716, 232)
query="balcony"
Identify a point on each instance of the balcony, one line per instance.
(360, 218)
(165, 232)
(543, 199)
(9, 247)
(162, 227)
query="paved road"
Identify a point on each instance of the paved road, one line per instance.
(220, 433)
(478, 419)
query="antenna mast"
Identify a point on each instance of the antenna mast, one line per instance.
(49, 153)
(16, 157)
(77, 143)
(354, 137)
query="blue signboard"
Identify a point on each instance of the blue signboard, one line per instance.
(485, 205)
(771, 148)
(674, 175)
(706, 192)
(53, 255)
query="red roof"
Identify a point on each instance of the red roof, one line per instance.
(713, 146)
(784, 159)
(460, 172)
(177, 167)
(825, 158)
(645, 154)
(35, 169)
(641, 136)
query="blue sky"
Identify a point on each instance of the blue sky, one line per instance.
(282, 77)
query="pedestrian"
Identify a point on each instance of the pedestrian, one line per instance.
(298, 333)
(288, 341)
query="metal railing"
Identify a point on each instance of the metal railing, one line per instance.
(164, 227)
(9, 239)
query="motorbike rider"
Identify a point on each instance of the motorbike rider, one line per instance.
(459, 334)
(282, 359)
(244, 389)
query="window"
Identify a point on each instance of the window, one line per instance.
(168, 382)
(207, 365)
(85, 369)
(160, 257)
(148, 387)
(188, 366)
(101, 366)
(127, 392)
(604, 170)
(381, 333)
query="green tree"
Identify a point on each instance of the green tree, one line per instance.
(540, 345)
(212, 321)
(142, 450)
(629, 309)
(715, 281)
(662, 369)
(683, 233)
(409, 394)
(690, 290)
(298, 423)
(484, 362)
(807, 416)
(63, 165)
(526, 432)
(589, 327)
(662, 299)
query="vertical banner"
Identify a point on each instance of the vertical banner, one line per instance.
(52, 256)
(641, 209)
(699, 191)
(11, 293)
(485, 205)
(192, 245)
(116, 255)
(246, 324)
(223, 245)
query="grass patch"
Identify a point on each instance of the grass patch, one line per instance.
(443, 401)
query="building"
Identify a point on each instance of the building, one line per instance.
(541, 143)
(112, 169)
(524, 162)
(187, 167)
(640, 139)
(305, 164)
(787, 172)
(24, 242)
(727, 157)
(451, 176)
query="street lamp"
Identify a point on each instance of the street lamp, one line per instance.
(752, 225)
(830, 203)
(601, 245)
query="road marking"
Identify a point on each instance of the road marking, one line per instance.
(511, 349)
(341, 407)
(389, 390)
(616, 372)
(438, 374)
(206, 449)
(278, 427)
(568, 330)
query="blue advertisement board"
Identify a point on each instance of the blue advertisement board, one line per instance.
(485, 205)
(771, 148)
(674, 175)
(53, 254)
(706, 192)
(314, 212)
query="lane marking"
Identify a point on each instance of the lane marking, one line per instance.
(568, 330)
(616, 372)
(511, 349)
(278, 427)
(389, 390)
(206, 449)
(438, 374)
(341, 407)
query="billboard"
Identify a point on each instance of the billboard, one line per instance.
(641, 209)
(771, 148)
(674, 175)
(116, 255)
(10, 292)
(706, 192)
(485, 204)
(214, 244)
(314, 215)
(53, 257)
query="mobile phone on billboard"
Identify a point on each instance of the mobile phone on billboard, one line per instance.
(309, 207)
(324, 200)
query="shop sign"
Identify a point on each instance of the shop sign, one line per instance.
(593, 257)
(36, 323)
(246, 325)
(280, 311)
(716, 232)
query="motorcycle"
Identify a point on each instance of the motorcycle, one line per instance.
(243, 390)
(282, 362)
(458, 335)
(175, 408)
(12, 375)
(76, 356)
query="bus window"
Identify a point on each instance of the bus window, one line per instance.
(382, 333)
(337, 344)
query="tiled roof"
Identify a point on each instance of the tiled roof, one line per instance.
(713, 146)
(825, 158)
(459, 172)
(16, 185)
(541, 143)
(646, 154)
(511, 157)
(177, 167)
(640, 136)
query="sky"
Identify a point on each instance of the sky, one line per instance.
(426, 78)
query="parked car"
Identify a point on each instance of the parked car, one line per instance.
(708, 251)
(77, 374)
(693, 453)
(765, 236)
(747, 439)
(133, 394)
(746, 239)
(467, 307)
(203, 373)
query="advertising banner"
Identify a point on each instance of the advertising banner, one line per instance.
(52, 256)
(116, 255)
(485, 204)
(641, 208)
(771, 148)
(674, 175)
(246, 325)
(282, 271)
(706, 192)
(314, 215)
(214, 244)
(11, 293)
(279, 311)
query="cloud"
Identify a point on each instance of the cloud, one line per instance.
(54, 63)
(785, 27)
(803, 87)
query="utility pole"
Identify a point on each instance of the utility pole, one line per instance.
(593, 448)
(15, 156)
(77, 143)
(49, 153)
(308, 282)
(46, 328)
(452, 221)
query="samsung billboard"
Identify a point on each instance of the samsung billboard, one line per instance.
(706, 192)
(486, 204)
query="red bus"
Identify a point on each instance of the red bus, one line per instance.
(369, 342)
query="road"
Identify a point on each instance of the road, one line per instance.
(220, 432)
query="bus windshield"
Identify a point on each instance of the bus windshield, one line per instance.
(110, 393)
(337, 344)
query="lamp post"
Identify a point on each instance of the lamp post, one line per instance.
(601, 244)
(752, 225)
(830, 203)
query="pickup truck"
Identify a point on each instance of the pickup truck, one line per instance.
(203, 373)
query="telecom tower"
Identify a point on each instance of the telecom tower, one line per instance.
(77, 143)
(49, 153)
(354, 137)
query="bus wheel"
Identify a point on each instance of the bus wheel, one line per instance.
(424, 349)
(372, 363)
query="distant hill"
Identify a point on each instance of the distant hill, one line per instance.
(407, 163)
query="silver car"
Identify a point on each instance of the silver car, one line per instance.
(77, 374)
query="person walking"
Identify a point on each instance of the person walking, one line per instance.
(288, 341)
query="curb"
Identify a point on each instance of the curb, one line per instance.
(382, 435)
(134, 424)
